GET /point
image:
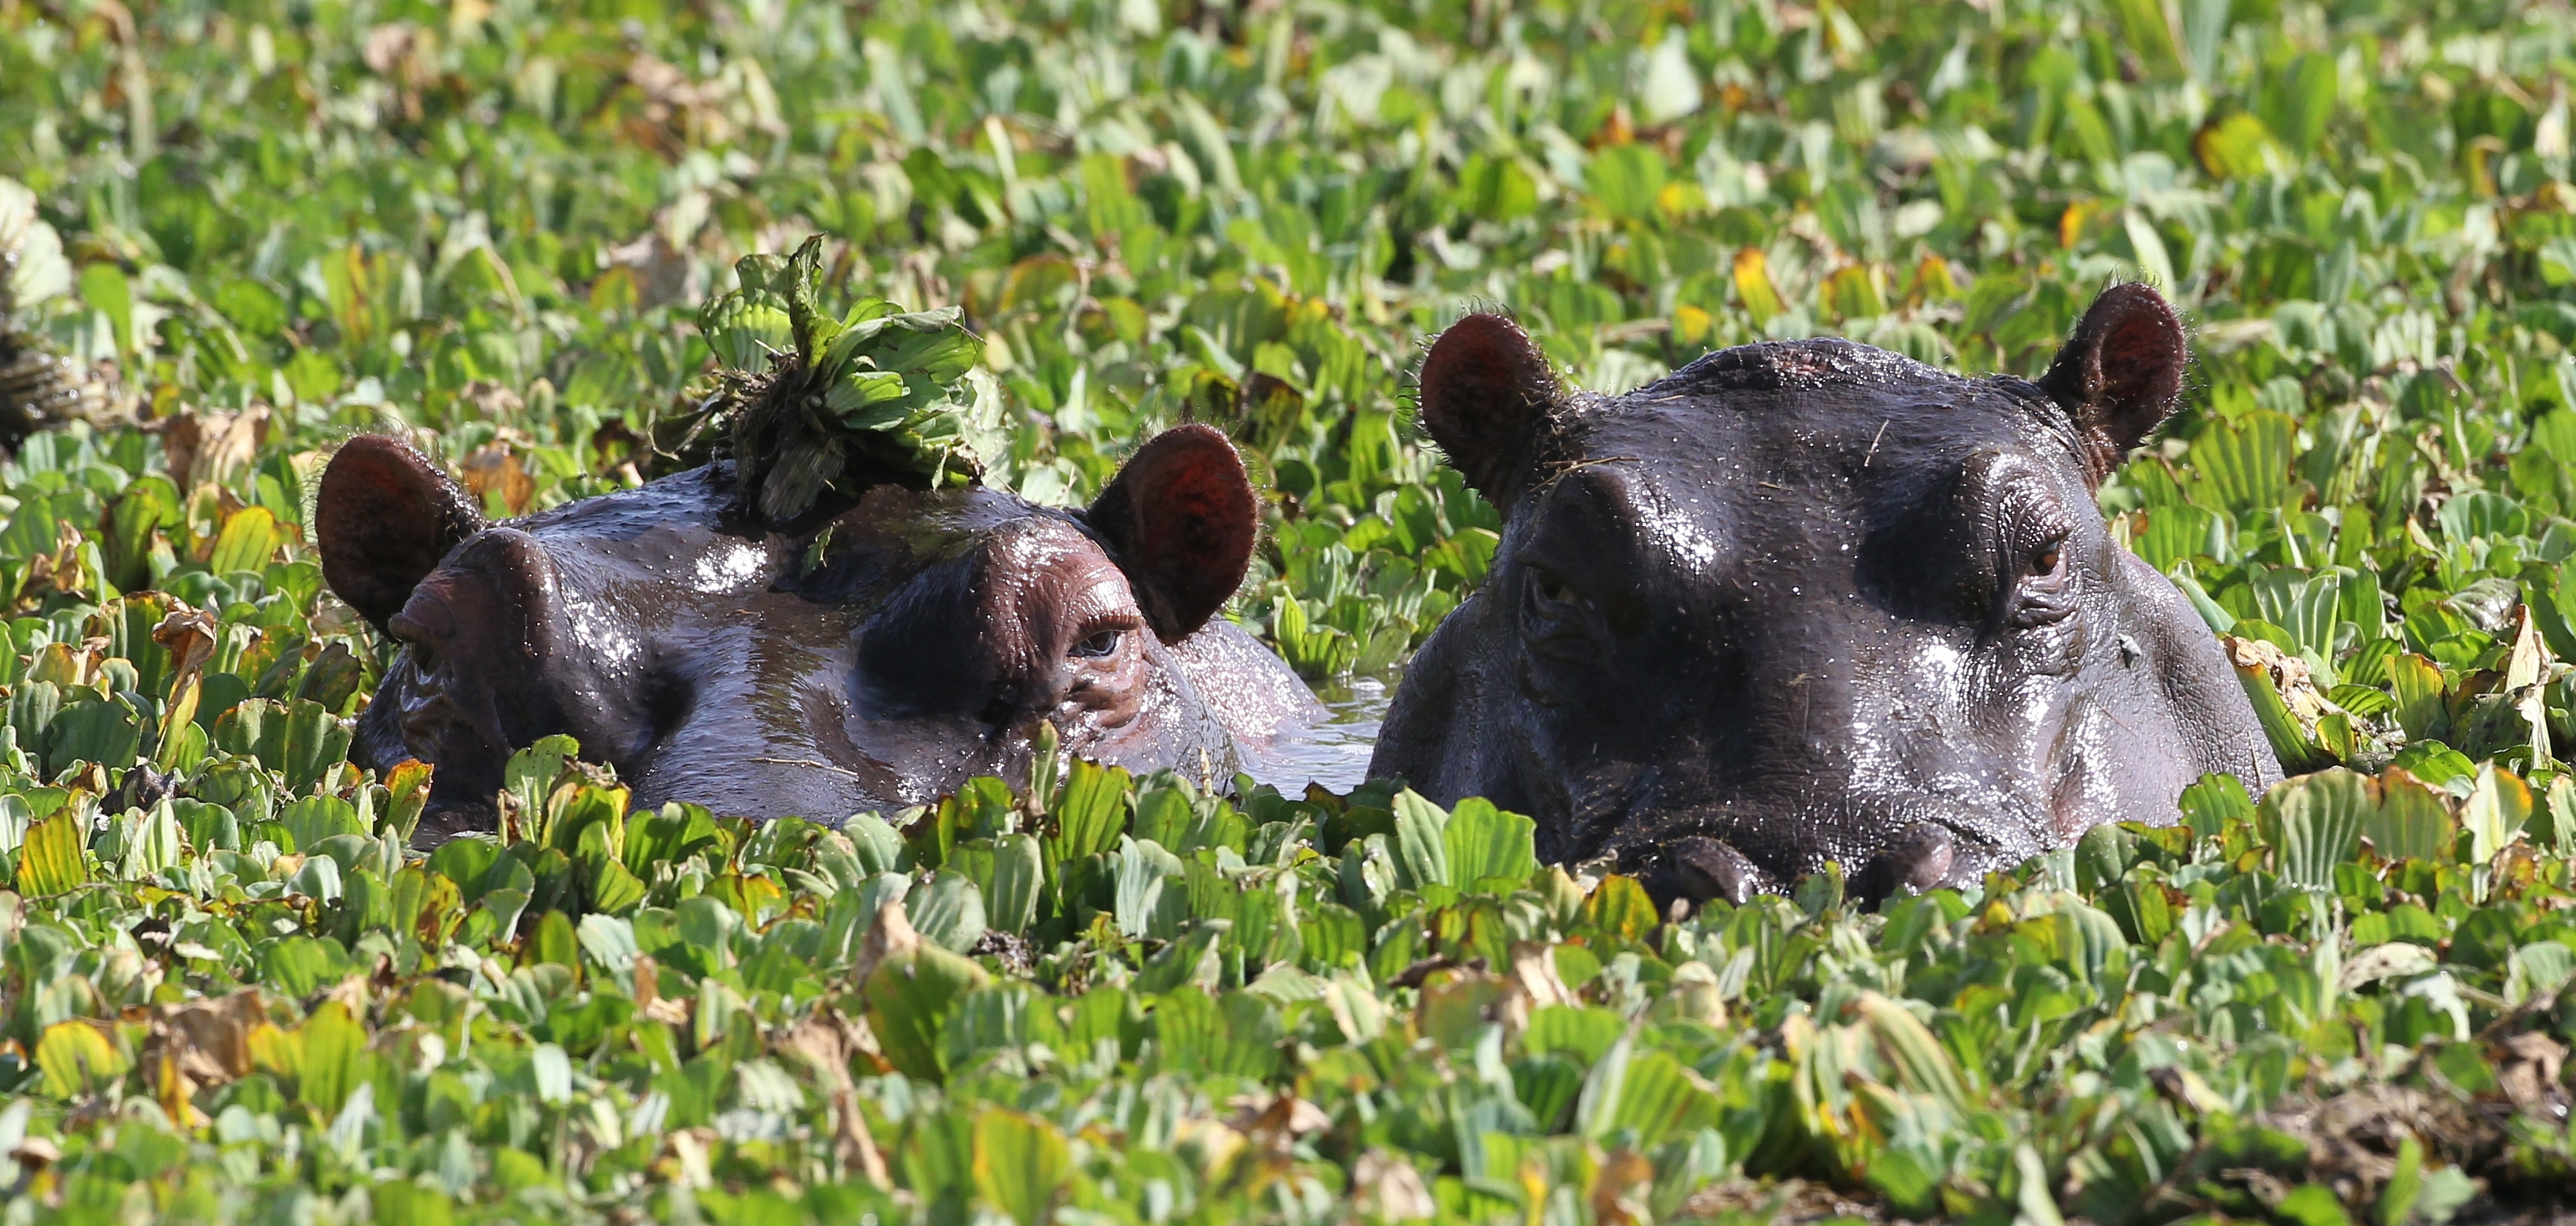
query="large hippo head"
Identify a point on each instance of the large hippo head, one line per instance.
(1807, 601)
(877, 651)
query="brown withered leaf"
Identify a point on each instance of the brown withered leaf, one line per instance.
(890, 935)
(494, 469)
(203, 447)
(825, 1043)
(200, 1044)
(188, 634)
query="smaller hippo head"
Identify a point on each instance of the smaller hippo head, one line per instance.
(1809, 601)
(877, 651)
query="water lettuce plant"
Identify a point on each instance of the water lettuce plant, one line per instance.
(811, 401)
(1093, 997)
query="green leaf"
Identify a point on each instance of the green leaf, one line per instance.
(1022, 1164)
(2245, 461)
(2409, 821)
(108, 733)
(1484, 843)
(1625, 180)
(2147, 31)
(335, 1055)
(1089, 812)
(299, 966)
(1236, 1033)
(2301, 100)
(152, 843)
(104, 287)
(1921, 1064)
(397, 1203)
(1421, 841)
(1138, 874)
(1581, 1032)
(2497, 809)
(614, 890)
(1016, 884)
(2312, 1204)
(314, 818)
(948, 911)
(2312, 824)
(910, 996)
(2397, 1197)
(745, 328)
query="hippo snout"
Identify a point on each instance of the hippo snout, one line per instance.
(1884, 846)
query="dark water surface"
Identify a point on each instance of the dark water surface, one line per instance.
(1334, 753)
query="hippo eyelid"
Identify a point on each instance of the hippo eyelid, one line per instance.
(1100, 641)
(2043, 593)
(1552, 588)
(2050, 557)
(1551, 598)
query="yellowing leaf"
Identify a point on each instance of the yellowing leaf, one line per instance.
(1753, 285)
(55, 856)
(81, 1056)
(2495, 813)
(2234, 146)
(1921, 1064)
(1620, 907)
(250, 537)
(1856, 291)
(2070, 224)
(1691, 325)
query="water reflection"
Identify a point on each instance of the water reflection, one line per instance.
(1334, 753)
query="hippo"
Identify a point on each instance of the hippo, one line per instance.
(1811, 601)
(875, 651)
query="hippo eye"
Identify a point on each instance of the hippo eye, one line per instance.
(2049, 557)
(1099, 644)
(2045, 593)
(1549, 592)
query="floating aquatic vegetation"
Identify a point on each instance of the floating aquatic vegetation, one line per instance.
(814, 401)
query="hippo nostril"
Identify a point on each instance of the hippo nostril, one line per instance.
(1704, 868)
(425, 619)
(1919, 859)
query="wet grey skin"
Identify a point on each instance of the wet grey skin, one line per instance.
(1811, 601)
(877, 652)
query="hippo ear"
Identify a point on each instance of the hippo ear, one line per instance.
(1180, 520)
(1489, 399)
(385, 517)
(2121, 373)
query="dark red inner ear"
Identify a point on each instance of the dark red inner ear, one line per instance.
(2121, 373)
(384, 518)
(1180, 520)
(2143, 356)
(1487, 399)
